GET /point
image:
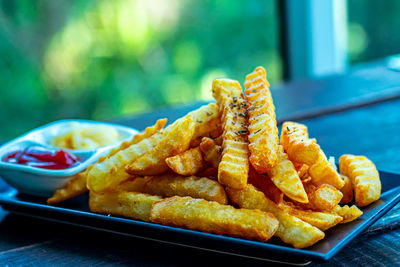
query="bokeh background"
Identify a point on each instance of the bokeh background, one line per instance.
(106, 59)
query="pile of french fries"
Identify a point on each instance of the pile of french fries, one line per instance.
(223, 169)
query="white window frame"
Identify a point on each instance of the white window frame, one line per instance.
(316, 37)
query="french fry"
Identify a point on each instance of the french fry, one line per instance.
(291, 229)
(295, 141)
(301, 149)
(347, 190)
(174, 141)
(285, 177)
(211, 151)
(306, 179)
(364, 178)
(321, 220)
(207, 121)
(323, 172)
(322, 198)
(189, 162)
(71, 189)
(212, 134)
(109, 171)
(78, 185)
(210, 216)
(128, 204)
(264, 183)
(263, 132)
(348, 213)
(234, 166)
(134, 184)
(169, 185)
(301, 168)
(290, 189)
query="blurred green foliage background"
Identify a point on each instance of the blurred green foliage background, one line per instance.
(373, 28)
(105, 59)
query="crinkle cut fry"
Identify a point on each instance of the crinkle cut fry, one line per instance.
(319, 219)
(349, 214)
(364, 178)
(78, 185)
(109, 171)
(211, 151)
(207, 120)
(71, 189)
(301, 149)
(189, 162)
(128, 204)
(234, 166)
(302, 169)
(286, 178)
(210, 216)
(263, 132)
(169, 185)
(347, 190)
(176, 139)
(296, 143)
(291, 229)
(322, 198)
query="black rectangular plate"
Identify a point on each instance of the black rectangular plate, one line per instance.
(76, 212)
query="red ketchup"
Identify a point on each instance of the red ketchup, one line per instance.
(41, 157)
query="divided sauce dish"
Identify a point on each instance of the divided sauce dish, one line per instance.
(44, 182)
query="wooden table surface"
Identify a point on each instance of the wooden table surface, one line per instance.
(355, 113)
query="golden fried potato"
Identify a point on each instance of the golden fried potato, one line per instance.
(301, 168)
(149, 131)
(211, 151)
(264, 183)
(306, 179)
(169, 185)
(291, 229)
(263, 132)
(78, 185)
(347, 190)
(301, 149)
(321, 220)
(210, 216)
(128, 204)
(234, 166)
(348, 213)
(285, 177)
(323, 172)
(322, 198)
(295, 141)
(135, 184)
(176, 139)
(215, 134)
(71, 189)
(364, 178)
(189, 162)
(207, 121)
(109, 171)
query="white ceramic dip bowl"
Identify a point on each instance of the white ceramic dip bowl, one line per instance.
(44, 182)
